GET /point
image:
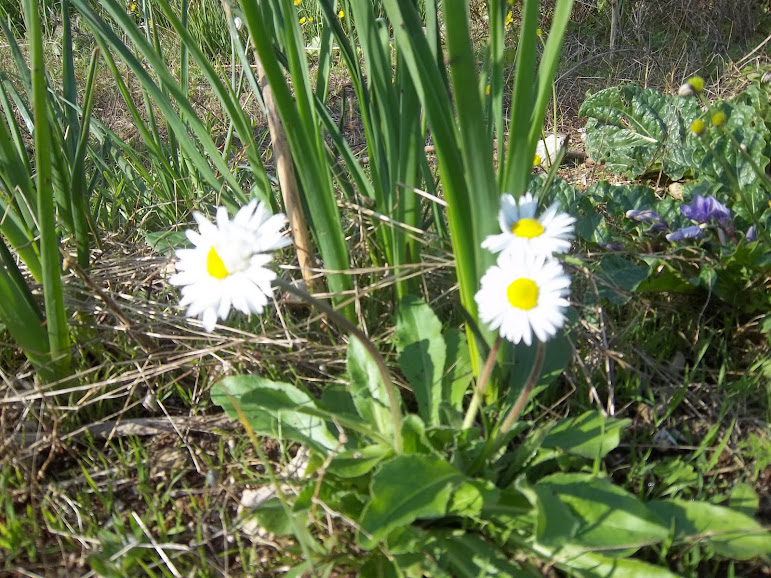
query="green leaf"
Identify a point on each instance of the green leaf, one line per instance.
(579, 562)
(367, 388)
(422, 352)
(610, 517)
(744, 499)
(404, 489)
(459, 371)
(589, 435)
(472, 497)
(633, 130)
(618, 277)
(727, 532)
(275, 409)
(468, 555)
(166, 241)
(272, 517)
(358, 462)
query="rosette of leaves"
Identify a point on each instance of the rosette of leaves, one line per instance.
(635, 130)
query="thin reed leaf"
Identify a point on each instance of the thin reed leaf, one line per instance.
(232, 196)
(53, 296)
(519, 157)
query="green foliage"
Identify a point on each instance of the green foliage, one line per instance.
(434, 493)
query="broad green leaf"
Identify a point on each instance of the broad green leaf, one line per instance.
(589, 435)
(414, 440)
(404, 489)
(274, 408)
(555, 524)
(580, 562)
(618, 277)
(744, 499)
(459, 370)
(610, 517)
(728, 152)
(272, 517)
(422, 352)
(472, 497)
(359, 461)
(468, 555)
(367, 388)
(727, 532)
(571, 201)
(558, 354)
(632, 129)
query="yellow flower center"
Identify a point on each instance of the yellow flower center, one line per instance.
(527, 228)
(215, 266)
(523, 293)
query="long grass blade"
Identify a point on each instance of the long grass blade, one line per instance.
(53, 295)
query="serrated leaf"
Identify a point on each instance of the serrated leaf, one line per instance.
(590, 435)
(404, 489)
(272, 408)
(367, 388)
(422, 353)
(725, 531)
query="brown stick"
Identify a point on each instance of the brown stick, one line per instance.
(288, 183)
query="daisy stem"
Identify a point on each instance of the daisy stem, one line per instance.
(484, 378)
(519, 405)
(385, 374)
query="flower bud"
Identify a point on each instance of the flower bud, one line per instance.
(238, 23)
(697, 126)
(697, 83)
(718, 119)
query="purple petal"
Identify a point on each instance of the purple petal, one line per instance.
(692, 232)
(702, 209)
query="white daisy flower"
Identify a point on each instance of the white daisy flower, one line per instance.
(524, 294)
(226, 266)
(522, 231)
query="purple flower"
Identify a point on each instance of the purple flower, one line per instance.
(751, 234)
(643, 215)
(692, 232)
(702, 209)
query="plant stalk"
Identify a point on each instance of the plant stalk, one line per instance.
(479, 390)
(385, 374)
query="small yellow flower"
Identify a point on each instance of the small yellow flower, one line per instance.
(297, 2)
(718, 119)
(341, 14)
(487, 90)
(303, 20)
(537, 160)
(132, 7)
(697, 126)
(509, 19)
(697, 83)
(310, 19)
(539, 33)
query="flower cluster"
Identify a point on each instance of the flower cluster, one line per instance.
(226, 268)
(705, 212)
(525, 292)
